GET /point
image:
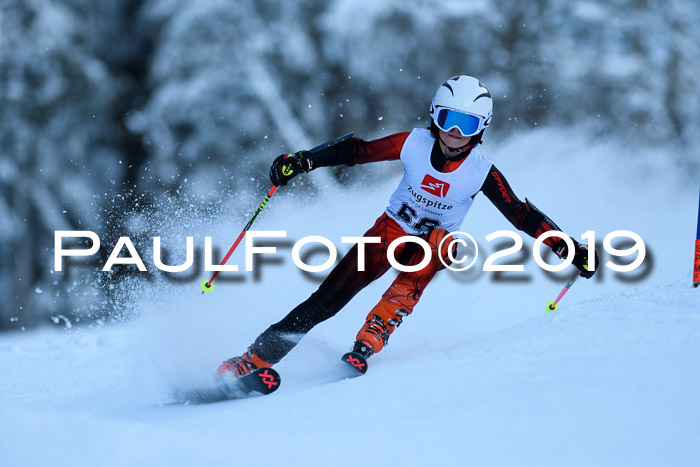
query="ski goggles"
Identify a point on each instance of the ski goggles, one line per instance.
(467, 124)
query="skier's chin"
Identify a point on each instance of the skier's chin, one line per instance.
(453, 145)
(454, 149)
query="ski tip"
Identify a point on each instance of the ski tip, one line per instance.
(356, 360)
(264, 380)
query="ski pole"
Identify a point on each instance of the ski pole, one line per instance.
(553, 305)
(206, 286)
(696, 266)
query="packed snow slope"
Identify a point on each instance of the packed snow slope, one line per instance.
(479, 375)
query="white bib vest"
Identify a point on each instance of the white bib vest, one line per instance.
(426, 198)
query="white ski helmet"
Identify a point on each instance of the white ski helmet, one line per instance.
(462, 102)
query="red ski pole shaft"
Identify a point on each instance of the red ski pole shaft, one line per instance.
(553, 305)
(206, 285)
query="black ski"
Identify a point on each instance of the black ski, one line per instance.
(259, 382)
(356, 361)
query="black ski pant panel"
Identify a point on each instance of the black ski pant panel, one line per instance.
(341, 285)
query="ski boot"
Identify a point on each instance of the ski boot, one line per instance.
(382, 320)
(238, 367)
(247, 373)
(363, 348)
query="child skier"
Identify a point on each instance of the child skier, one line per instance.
(442, 165)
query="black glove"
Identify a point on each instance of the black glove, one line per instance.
(580, 257)
(287, 166)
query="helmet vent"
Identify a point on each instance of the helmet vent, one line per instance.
(483, 94)
(449, 87)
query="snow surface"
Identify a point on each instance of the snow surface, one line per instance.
(480, 374)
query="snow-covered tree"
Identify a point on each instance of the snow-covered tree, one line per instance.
(110, 111)
(60, 142)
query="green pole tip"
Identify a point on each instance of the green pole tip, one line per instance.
(551, 306)
(206, 286)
